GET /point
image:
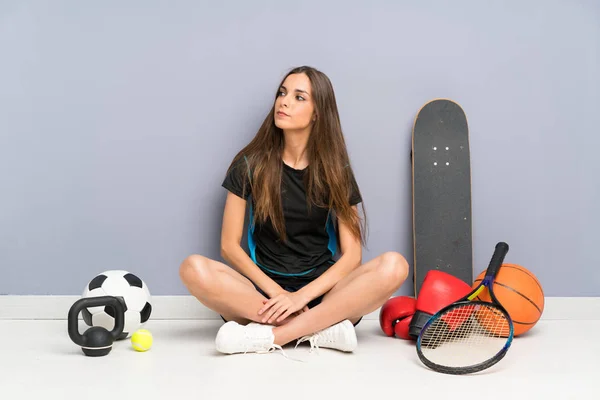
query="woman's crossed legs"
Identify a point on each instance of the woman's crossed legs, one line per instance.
(235, 297)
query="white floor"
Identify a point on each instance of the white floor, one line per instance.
(38, 361)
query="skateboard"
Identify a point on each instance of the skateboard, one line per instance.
(441, 174)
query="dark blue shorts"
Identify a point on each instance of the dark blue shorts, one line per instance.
(293, 287)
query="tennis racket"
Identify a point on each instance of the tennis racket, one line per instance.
(468, 335)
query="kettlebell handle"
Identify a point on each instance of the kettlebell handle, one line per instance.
(111, 301)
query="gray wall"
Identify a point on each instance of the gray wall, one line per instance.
(117, 122)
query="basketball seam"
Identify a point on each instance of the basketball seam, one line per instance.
(524, 323)
(520, 294)
(528, 274)
(514, 322)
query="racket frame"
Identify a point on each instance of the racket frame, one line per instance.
(468, 300)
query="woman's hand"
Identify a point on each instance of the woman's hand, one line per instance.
(282, 306)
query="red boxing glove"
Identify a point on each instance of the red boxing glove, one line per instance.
(439, 290)
(395, 316)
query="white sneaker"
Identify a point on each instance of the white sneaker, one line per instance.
(235, 338)
(340, 336)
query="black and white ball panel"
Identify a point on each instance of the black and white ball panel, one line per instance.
(132, 290)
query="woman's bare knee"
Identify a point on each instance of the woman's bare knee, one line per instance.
(195, 271)
(393, 269)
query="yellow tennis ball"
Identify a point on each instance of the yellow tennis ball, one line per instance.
(141, 340)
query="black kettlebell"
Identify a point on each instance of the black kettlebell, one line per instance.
(96, 341)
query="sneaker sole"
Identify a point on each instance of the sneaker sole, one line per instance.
(224, 332)
(350, 337)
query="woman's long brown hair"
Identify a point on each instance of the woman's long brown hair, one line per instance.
(329, 182)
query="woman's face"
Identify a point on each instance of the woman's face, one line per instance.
(294, 107)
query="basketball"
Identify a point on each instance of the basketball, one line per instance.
(519, 292)
(492, 321)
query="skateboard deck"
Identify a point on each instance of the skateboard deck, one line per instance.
(441, 192)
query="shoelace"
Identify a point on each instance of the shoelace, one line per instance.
(273, 348)
(311, 339)
(270, 350)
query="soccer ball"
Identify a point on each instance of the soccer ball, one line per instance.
(132, 290)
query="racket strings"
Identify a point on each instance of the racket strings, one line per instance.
(465, 335)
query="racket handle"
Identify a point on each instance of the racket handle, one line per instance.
(497, 260)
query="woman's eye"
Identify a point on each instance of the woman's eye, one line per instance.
(300, 98)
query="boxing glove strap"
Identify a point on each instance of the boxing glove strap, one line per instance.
(418, 322)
